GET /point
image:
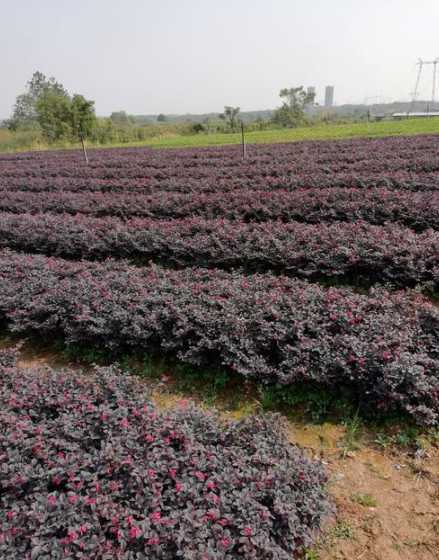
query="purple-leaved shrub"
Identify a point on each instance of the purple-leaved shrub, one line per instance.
(89, 469)
(401, 163)
(418, 210)
(389, 253)
(383, 346)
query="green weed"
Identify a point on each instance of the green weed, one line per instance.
(365, 500)
(343, 531)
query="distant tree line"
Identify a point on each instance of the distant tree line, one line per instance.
(47, 109)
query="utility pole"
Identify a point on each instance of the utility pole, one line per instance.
(433, 95)
(421, 64)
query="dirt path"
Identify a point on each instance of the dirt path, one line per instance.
(387, 499)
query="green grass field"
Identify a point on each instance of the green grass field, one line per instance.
(320, 132)
(10, 143)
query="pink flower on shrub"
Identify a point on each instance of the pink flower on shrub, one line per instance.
(178, 487)
(225, 543)
(135, 532)
(247, 532)
(153, 541)
(201, 476)
(172, 473)
(124, 423)
(213, 498)
(72, 499)
(52, 500)
(210, 515)
(72, 535)
(155, 517)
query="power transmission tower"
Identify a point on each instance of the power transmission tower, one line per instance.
(421, 63)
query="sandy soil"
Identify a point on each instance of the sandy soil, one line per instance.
(402, 524)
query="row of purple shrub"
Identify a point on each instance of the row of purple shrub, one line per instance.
(384, 347)
(419, 211)
(366, 157)
(215, 179)
(345, 251)
(91, 470)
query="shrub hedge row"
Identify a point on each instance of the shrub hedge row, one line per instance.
(344, 251)
(89, 469)
(408, 162)
(419, 210)
(383, 346)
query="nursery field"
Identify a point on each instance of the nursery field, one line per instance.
(310, 265)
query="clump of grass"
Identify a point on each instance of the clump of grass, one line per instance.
(408, 437)
(314, 403)
(343, 530)
(312, 555)
(353, 434)
(365, 500)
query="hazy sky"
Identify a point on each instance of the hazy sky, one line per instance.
(177, 56)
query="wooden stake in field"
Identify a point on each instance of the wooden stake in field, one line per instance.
(244, 151)
(83, 148)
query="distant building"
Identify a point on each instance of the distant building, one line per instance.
(311, 91)
(415, 115)
(329, 96)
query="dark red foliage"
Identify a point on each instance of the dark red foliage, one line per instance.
(395, 163)
(419, 210)
(384, 346)
(89, 469)
(345, 251)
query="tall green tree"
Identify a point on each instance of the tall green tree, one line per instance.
(47, 105)
(292, 111)
(82, 116)
(64, 117)
(25, 112)
(231, 116)
(54, 115)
